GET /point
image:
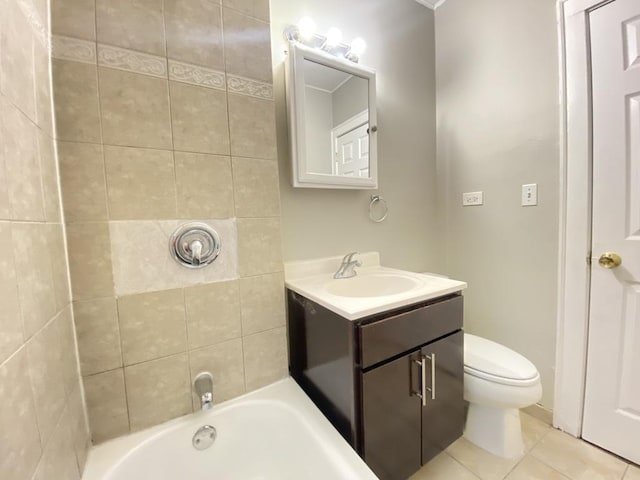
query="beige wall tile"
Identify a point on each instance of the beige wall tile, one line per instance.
(252, 127)
(255, 187)
(11, 337)
(59, 270)
(199, 119)
(259, 249)
(19, 437)
(168, 380)
(204, 186)
(98, 335)
(44, 111)
(67, 350)
(20, 148)
(262, 303)
(213, 313)
(194, 32)
(45, 364)
(35, 280)
(106, 405)
(83, 181)
(75, 91)
(79, 426)
(224, 361)
(140, 183)
(265, 357)
(152, 325)
(137, 25)
(90, 260)
(135, 109)
(250, 57)
(59, 457)
(253, 8)
(142, 261)
(74, 18)
(49, 178)
(16, 60)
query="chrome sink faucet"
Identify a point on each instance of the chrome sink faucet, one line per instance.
(348, 266)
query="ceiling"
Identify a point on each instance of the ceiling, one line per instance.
(432, 4)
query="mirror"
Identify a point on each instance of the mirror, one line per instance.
(332, 120)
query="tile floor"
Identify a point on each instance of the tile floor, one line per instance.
(550, 455)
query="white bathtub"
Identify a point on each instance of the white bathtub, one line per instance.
(275, 433)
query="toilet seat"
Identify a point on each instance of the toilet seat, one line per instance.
(496, 363)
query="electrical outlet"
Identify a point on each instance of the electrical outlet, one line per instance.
(472, 198)
(530, 195)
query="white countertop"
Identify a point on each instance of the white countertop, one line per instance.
(314, 280)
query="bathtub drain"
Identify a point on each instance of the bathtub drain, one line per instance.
(204, 437)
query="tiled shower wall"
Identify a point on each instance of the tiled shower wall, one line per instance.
(165, 114)
(43, 432)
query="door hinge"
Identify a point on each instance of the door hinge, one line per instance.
(589, 259)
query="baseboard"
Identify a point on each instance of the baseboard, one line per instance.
(540, 412)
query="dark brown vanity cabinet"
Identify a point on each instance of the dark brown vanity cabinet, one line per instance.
(392, 383)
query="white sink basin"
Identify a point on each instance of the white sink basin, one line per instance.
(373, 290)
(373, 285)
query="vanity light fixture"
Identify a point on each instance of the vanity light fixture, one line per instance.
(305, 33)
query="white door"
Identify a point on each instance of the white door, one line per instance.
(612, 397)
(352, 152)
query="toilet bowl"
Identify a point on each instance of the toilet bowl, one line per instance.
(498, 382)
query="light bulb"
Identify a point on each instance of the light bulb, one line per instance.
(307, 28)
(334, 37)
(358, 46)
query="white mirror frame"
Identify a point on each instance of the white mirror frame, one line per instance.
(295, 87)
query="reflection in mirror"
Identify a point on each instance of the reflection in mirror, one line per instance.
(337, 120)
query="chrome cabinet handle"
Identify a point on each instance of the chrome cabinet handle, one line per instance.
(423, 384)
(432, 358)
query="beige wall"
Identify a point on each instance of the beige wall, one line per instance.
(497, 97)
(43, 432)
(164, 115)
(400, 46)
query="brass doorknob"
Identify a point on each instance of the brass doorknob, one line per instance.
(610, 260)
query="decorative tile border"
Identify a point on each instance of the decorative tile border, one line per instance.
(132, 61)
(74, 49)
(196, 75)
(248, 86)
(33, 17)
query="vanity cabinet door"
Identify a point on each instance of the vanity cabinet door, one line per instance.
(443, 414)
(391, 419)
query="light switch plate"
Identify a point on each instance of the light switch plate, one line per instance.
(530, 195)
(472, 198)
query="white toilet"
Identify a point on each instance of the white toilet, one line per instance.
(498, 382)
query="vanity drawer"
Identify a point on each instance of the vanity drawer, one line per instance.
(400, 333)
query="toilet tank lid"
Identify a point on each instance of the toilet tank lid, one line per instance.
(496, 360)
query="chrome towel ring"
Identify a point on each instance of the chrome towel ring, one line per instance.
(385, 208)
